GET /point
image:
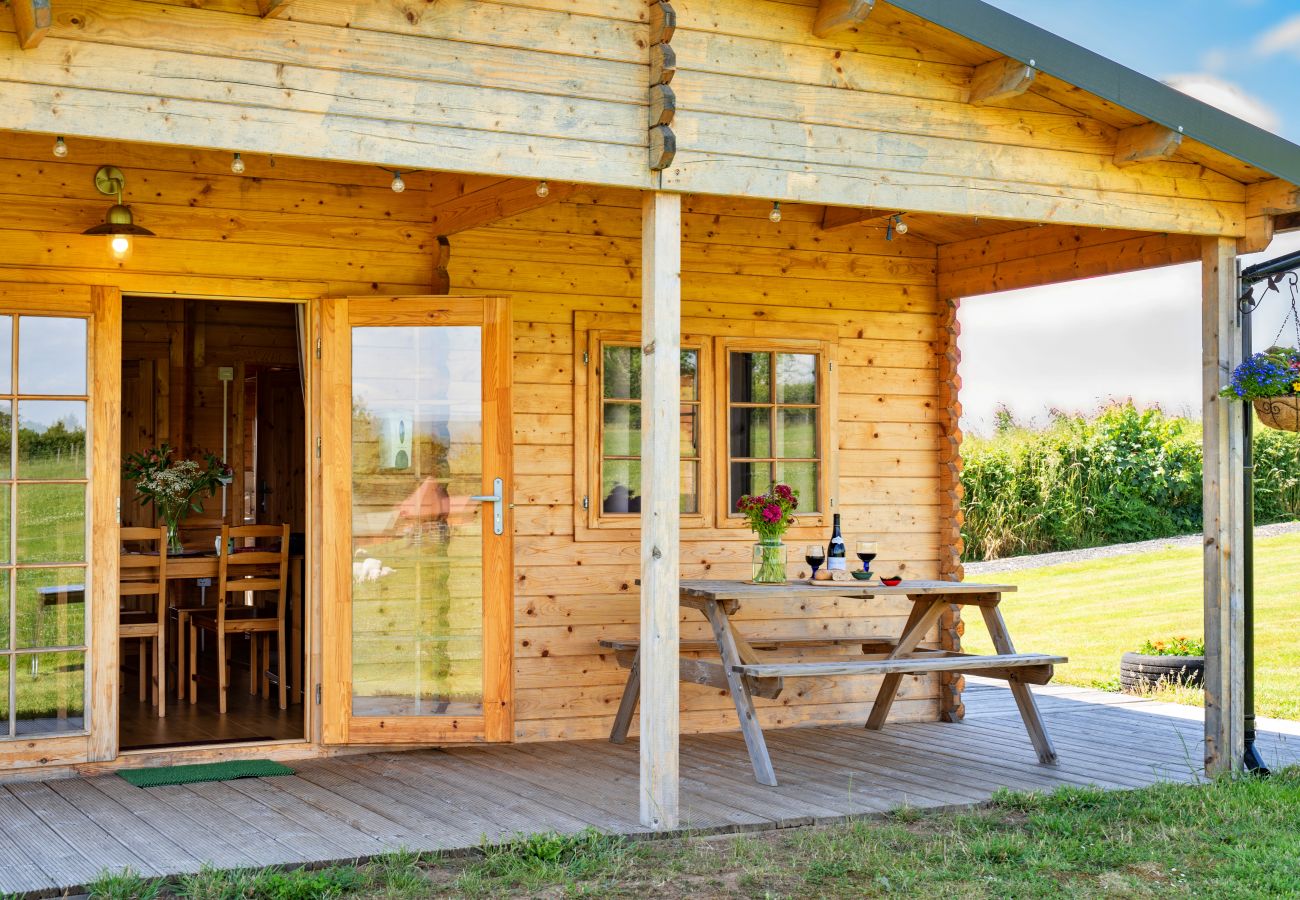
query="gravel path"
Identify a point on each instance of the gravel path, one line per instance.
(1017, 563)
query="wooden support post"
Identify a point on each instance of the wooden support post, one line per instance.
(661, 338)
(32, 19)
(1223, 511)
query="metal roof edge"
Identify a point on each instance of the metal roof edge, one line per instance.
(1076, 65)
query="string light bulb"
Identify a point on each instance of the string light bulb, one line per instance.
(543, 189)
(896, 226)
(237, 165)
(60, 148)
(775, 214)
(398, 184)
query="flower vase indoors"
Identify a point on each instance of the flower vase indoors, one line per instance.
(1271, 381)
(174, 488)
(770, 516)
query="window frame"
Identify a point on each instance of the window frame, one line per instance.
(827, 417)
(714, 337)
(589, 444)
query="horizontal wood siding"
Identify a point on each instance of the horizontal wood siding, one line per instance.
(292, 230)
(878, 298)
(548, 90)
(880, 118)
(557, 89)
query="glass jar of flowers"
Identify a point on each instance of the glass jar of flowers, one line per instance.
(175, 489)
(770, 515)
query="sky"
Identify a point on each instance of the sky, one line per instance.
(1075, 346)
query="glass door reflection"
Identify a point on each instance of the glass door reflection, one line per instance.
(417, 537)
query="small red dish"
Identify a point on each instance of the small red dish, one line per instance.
(894, 581)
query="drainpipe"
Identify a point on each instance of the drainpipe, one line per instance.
(1253, 762)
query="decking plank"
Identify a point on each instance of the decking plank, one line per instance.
(159, 853)
(56, 836)
(188, 824)
(95, 841)
(44, 846)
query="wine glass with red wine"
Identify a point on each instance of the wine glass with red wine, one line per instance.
(867, 552)
(814, 555)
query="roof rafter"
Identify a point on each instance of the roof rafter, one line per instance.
(508, 197)
(999, 80)
(1151, 142)
(273, 9)
(838, 16)
(32, 19)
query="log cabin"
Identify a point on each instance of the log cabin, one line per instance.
(498, 307)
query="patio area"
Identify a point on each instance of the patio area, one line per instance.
(57, 835)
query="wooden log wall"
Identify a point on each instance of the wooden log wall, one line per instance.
(738, 268)
(286, 229)
(876, 115)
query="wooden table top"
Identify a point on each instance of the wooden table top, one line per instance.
(708, 589)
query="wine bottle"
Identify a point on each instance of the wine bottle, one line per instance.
(836, 557)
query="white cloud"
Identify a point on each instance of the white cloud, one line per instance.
(1228, 97)
(1282, 38)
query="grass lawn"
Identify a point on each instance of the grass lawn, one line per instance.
(1223, 840)
(1094, 611)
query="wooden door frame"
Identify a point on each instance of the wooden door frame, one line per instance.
(337, 317)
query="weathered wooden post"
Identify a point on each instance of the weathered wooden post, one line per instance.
(661, 339)
(1224, 511)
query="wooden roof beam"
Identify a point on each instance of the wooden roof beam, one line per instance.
(1052, 254)
(1151, 142)
(838, 16)
(32, 19)
(840, 216)
(999, 80)
(508, 197)
(273, 9)
(1271, 206)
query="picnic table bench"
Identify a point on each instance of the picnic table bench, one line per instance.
(745, 674)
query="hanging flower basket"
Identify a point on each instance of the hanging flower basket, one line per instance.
(1271, 381)
(1282, 413)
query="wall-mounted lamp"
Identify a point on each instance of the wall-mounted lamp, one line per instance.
(896, 226)
(118, 227)
(775, 214)
(60, 148)
(237, 165)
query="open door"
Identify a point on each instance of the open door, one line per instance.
(416, 527)
(60, 384)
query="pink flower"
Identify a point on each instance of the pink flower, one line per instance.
(783, 492)
(772, 513)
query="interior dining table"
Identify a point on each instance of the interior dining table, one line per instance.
(190, 565)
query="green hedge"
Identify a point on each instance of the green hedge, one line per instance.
(1125, 474)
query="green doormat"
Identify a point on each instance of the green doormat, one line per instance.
(221, 771)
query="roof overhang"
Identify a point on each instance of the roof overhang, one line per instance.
(1000, 31)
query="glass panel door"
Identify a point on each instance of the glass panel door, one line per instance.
(58, 358)
(417, 459)
(418, 616)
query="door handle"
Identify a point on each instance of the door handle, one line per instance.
(497, 499)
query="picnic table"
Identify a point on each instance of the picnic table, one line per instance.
(748, 667)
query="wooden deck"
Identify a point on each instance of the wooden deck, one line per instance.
(58, 835)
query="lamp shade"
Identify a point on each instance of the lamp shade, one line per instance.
(120, 229)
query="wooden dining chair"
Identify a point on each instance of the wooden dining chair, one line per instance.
(143, 573)
(249, 568)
